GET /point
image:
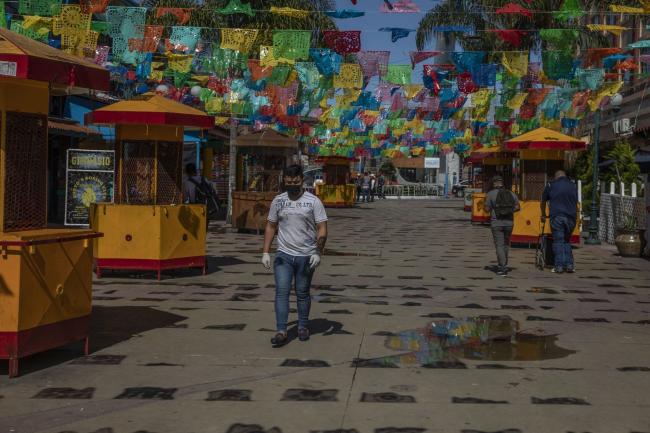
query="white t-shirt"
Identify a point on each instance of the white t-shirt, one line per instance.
(297, 223)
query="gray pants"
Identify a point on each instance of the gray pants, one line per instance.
(502, 243)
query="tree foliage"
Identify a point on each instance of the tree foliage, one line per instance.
(624, 169)
(481, 16)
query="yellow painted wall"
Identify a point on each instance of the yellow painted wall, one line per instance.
(47, 283)
(157, 232)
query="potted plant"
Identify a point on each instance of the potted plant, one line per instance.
(628, 240)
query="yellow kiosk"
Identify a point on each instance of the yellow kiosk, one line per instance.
(492, 161)
(336, 191)
(45, 273)
(261, 157)
(540, 153)
(148, 227)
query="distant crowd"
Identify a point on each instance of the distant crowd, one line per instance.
(369, 186)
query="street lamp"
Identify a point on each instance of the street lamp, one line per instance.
(615, 101)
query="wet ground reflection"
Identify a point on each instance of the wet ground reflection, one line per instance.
(494, 338)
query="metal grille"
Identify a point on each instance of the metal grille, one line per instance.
(536, 175)
(613, 208)
(169, 176)
(137, 172)
(150, 173)
(25, 195)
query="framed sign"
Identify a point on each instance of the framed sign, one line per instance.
(431, 162)
(90, 177)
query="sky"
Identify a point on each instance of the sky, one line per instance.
(374, 19)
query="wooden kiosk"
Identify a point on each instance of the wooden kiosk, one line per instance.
(45, 273)
(493, 161)
(148, 227)
(540, 153)
(261, 157)
(337, 190)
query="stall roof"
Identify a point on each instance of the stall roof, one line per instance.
(545, 139)
(70, 128)
(266, 138)
(33, 60)
(150, 110)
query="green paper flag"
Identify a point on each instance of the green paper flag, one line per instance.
(235, 7)
(561, 39)
(291, 44)
(557, 64)
(399, 74)
(279, 75)
(99, 27)
(570, 10)
(43, 8)
(3, 18)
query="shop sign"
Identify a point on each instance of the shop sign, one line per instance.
(90, 177)
(8, 68)
(431, 162)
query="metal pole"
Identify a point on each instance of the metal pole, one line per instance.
(593, 218)
(232, 167)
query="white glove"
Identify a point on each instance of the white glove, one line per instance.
(314, 261)
(266, 260)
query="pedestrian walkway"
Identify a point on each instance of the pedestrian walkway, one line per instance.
(410, 333)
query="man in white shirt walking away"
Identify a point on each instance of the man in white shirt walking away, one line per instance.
(299, 219)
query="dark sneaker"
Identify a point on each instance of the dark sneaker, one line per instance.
(557, 270)
(303, 334)
(570, 270)
(279, 340)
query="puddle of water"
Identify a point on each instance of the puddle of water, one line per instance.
(494, 338)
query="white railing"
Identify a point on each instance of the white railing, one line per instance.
(615, 203)
(422, 190)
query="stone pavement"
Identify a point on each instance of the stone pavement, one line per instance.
(410, 334)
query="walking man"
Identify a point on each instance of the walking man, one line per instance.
(298, 217)
(365, 187)
(501, 203)
(562, 194)
(381, 181)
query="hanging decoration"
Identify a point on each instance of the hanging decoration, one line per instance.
(289, 12)
(45, 8)
(513, 37)
(150, 40)
(373, 63)
(398, 74)
(236, 7)
(400, 6)
(514, 9)
(343, 42)
(241, 40)
(466, 60)
(291, 44)
(570, 11)
(94, 6)
(182, 15)
(420, 56)
(615, 30)
(558, 65)
(125, 23)
(515, 63)
(345, 13)
(396, 33)
(185, 38)
(349, 77)
(560, 39)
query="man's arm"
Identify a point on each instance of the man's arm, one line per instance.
(269, 234)
(487, 206)
(517, 204)
(321, 237)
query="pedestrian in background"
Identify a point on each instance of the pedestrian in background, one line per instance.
(562, 194)
(358, 182)
(381, 181)
(501, 204)
(373, 187)
(299, 219)
(365, 187)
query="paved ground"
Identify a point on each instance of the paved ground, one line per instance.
(411, 333)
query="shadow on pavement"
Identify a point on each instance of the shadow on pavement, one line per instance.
(108, 326)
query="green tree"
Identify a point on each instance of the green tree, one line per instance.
(481, 16)
(205, 14)
(624, 169)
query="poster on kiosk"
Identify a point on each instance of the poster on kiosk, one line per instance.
(90, 175)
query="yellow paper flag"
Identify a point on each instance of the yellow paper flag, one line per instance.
(517, 100)
(179, 62)
(411, 90)
(626, 9)
(515, 63)
(615, 30)
(291, 12)
(238, 39)
(609, 89)
(350, 77)
(31, 21)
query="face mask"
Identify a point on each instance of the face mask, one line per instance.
(292, 189)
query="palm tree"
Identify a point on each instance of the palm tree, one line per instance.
(480, 15)
(205, 15)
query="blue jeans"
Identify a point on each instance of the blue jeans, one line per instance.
(562, 227)
(288, 269)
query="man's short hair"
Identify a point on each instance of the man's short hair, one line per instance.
(496, 179)
(190, 168)
(293, 170)
(560, 173)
